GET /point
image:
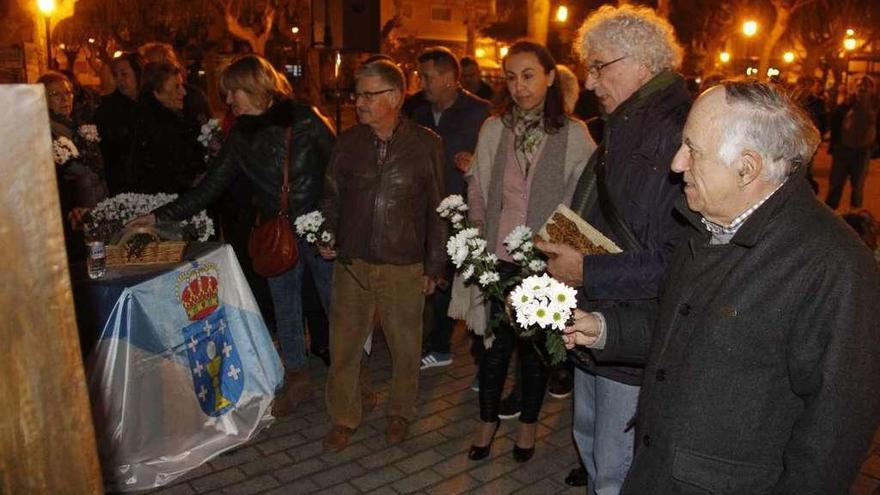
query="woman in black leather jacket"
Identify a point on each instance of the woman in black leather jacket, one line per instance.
(257, 146)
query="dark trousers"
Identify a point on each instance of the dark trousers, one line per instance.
(849, 163)
(494, 364)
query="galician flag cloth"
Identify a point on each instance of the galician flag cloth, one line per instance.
(184, 370)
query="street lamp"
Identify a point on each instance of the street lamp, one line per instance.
(788, 57)
(562, 14)
(724, 57)
(750, 28)
(849, 44)
(47, 7)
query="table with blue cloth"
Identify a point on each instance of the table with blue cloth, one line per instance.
(179, 363)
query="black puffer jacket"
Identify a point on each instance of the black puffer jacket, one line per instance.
(257, 146)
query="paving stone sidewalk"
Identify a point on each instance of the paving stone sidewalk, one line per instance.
(288, 459)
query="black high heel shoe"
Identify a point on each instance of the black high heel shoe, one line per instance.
(478, 453)
(522, 455)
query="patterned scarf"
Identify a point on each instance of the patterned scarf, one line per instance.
(528, 132)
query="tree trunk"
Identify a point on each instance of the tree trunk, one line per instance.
(780, 26)
(538, 19)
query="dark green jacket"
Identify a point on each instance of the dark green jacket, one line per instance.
(257, 147)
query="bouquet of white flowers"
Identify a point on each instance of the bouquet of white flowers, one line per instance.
(311, 228)
(63, 150)
(211, 138)
(110, 216)
(541, 303)
(89, 132)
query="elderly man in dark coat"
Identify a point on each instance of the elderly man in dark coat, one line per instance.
(761, 368)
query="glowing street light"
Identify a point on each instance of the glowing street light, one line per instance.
(294, 30)
(562, 13)
(850, 32)
(117, 54)
(92, 40)
(724, 57)
(750, 28)
(503, 51)
(480, 53)
(47, 7)
(788, 57)
(849, 44)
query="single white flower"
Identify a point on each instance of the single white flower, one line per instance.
(467, 273)
(488, 278)
(326, 237)
(537, 266)
(310, 238)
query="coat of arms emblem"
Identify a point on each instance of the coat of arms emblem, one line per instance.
(215, 365)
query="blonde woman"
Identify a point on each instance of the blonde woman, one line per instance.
(257, 146)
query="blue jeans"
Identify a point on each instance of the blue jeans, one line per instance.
(286, 292)
(602, 409)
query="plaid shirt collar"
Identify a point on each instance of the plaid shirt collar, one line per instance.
(722, 234)
(382, 145)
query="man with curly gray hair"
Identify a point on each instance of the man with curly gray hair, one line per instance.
(628, 193)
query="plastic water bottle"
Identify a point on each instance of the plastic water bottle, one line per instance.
(97, 262)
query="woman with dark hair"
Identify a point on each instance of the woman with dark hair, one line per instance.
(116, 117)
(527, 162)
(166, 156)
(78, 160)
(271, 130)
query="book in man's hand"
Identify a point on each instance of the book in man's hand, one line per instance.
(566, 227)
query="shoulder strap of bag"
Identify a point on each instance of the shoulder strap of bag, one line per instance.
(285, 184)
(612, 216)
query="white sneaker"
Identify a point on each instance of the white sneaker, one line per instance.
(436, 359)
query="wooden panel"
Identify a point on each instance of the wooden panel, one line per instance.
(47, 442)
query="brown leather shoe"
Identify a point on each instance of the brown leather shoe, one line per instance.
(297, 387)
(337, 439)
(397, 428)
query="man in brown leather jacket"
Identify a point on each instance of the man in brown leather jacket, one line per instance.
(384, 181)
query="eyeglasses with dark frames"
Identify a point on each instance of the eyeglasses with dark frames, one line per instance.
(369, 95)
(595, 70)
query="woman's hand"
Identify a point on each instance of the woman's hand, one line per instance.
(585, 330)
(463, 161)
(327, 252)
(147, 220)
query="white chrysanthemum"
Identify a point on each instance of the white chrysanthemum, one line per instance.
(562, 295)
(517, 237)
(89, 132)
(450, 204)
(537, 266)
(467, 273)
(558, 318)
(488, 278)
(310, 238)
(326, 237)
(517, 256)
(457, 250)
(477, 245)
(527, 246)
(520, 297)
(525, 314)
(491, 258)
(457, 218)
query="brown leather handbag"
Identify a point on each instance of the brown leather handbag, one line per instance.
(272, 245)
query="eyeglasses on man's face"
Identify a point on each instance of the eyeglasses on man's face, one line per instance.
(595, 69)
(60, 94)
(369, 95)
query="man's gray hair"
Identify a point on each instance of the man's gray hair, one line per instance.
(636, 32)
(386, 70)
(766, 120)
